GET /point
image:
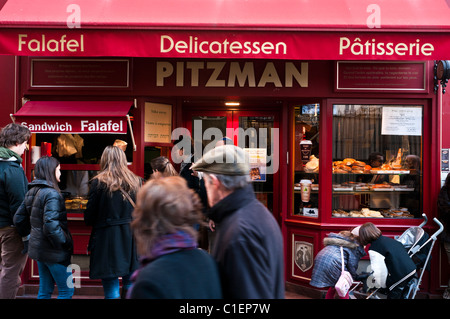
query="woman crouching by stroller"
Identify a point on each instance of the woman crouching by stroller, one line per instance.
(328, 263)
(391, 265)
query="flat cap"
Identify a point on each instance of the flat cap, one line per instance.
(224, 160)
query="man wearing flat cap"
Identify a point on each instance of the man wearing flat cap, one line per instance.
(248, 246)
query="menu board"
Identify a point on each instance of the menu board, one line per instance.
(401, 121)
(158, 123)
(80, 73)
(257, 157)
(381, 76)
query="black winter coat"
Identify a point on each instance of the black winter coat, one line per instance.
(185, 274)
(248, 247)
(43, 216)
(390, 262)
(444, 212)
(112, 245)
(12, 190)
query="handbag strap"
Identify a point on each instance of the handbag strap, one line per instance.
(128, 197)
(342, 258)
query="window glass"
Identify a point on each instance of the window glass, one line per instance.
(83, 148)
(377, 161)
(306, 160)
(260, 149)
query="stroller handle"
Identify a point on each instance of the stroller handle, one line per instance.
(425, 220)
(441, 228)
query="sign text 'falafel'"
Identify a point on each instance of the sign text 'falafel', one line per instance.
(45, 43)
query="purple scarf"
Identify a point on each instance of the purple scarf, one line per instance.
(170, 243)
(164, 245)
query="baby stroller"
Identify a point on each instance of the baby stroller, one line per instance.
(419, 246)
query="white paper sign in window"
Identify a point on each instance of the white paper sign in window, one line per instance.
(401, 121)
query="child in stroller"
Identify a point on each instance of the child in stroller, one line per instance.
(396, 262)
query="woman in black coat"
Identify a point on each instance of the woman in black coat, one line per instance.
(42, 215)
(444, 215)
(110, 204)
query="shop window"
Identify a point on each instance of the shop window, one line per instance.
(79, 155)
(306, 160)
(260, 152)
(377, 161)
(88, 147)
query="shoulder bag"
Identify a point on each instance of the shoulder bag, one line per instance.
(127, 196)
(345, 280)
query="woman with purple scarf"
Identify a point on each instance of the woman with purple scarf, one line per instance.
(172, 267)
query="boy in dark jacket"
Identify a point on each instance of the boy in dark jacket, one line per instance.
(13, 186)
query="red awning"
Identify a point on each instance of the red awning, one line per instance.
(240, 14)
(107, 117)
(230, 29)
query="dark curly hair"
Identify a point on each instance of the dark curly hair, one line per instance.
(14, 134)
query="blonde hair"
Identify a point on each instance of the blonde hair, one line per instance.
(164, 206)
(163, 165)
(114, 171)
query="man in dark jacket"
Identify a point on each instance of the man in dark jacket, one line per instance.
(13, 186)
(248, 245)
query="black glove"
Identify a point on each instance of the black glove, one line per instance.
(363, 276)
(25, 247)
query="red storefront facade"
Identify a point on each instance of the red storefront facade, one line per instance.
(338, 78)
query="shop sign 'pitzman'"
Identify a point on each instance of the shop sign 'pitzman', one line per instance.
(231, 74)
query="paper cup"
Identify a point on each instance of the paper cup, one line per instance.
(305, 186)
(305, 148)
(35, 154)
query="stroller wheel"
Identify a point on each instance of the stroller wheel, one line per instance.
(446, 294)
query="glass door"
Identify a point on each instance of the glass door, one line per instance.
(254, 131)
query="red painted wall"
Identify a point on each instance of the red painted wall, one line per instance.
(7, 80)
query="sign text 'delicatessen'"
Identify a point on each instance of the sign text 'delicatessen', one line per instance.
(221, 44)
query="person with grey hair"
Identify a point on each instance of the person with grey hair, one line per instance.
(248, 246)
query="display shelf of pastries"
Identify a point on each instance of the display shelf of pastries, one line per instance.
(363, 213)
(362, 187)
(75, 204)
(352, 166)
(367, 187)
(381, 188)
(312, 166)
(397, 213)
(403, 188)
(342, 188)
(371, 213)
